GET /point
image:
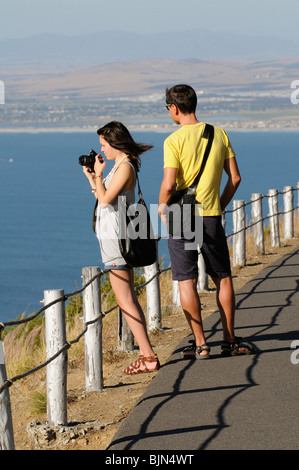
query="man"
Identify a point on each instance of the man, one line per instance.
(183, 155)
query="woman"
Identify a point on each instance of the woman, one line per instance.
(118, 145)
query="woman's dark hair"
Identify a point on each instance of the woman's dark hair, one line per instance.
(118, 136)
(183, 96)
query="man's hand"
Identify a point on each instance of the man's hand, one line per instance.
(163, 213)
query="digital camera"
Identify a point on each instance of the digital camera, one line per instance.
(88, 160)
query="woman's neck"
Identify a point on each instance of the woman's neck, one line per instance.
(120, 157)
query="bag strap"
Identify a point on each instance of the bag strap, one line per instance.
(208, 134)
(94, 216)
(96, 203)
(138, 184)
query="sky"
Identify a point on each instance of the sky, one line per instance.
(23, 18)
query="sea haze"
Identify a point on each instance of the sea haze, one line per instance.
(47, 205)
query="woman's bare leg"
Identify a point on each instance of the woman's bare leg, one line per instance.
(122, 283)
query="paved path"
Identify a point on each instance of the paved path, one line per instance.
(248, 402)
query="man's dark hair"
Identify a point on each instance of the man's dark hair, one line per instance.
(183, 96)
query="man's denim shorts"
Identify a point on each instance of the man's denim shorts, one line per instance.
(214, 250)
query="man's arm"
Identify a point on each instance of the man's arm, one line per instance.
(234, 179)
(166, 191)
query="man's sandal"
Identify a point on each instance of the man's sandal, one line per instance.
(135, 367)
(236, 348)
(194, 352)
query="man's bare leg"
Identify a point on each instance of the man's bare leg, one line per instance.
(190, 302)
(226, 303)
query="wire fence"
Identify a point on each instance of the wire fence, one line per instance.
(268, 217)
(68, 344)
(9, 381)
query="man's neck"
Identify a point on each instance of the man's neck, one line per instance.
(188, 119)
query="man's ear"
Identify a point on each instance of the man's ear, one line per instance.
(176, 110)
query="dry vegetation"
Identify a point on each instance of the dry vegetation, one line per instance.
(25, 348)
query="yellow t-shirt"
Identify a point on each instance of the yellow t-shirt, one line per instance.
(184, 150)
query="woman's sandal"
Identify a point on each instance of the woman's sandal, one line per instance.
(234, 348)
(194, 352)
(135, 368)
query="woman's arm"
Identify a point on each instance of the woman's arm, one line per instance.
(91, 178)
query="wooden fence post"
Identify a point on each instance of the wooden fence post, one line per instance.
(93, 335)
(257, 219)
(223, 221)
(125, 335)
(6, 428)
(153, 298)
(239, 244)
(176, 294)
(274, 217)
(288, 199)
(57, 369)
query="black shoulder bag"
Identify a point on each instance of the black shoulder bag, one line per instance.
(137, 242)
(187, 196)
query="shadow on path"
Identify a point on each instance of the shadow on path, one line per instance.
(203, 404)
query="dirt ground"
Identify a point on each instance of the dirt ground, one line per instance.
(111, 406)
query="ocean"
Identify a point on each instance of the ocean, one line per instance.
(46, 204)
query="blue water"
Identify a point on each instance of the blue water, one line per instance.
(46, 204)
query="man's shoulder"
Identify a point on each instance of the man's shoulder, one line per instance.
(222, 141)
(197, 129)
(218, 129)
(185, 131)
(175, 133)
(173, 138)
(220, 135)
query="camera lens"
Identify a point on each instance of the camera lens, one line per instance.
(83, 160)
(88, 160)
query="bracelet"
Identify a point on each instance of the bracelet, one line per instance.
(99, 176)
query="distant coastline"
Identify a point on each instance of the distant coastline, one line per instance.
(238, 125)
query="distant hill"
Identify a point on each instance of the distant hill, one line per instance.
(151, 76)
(52, 52)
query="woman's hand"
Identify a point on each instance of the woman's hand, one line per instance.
(99, 165)
(89, 174)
